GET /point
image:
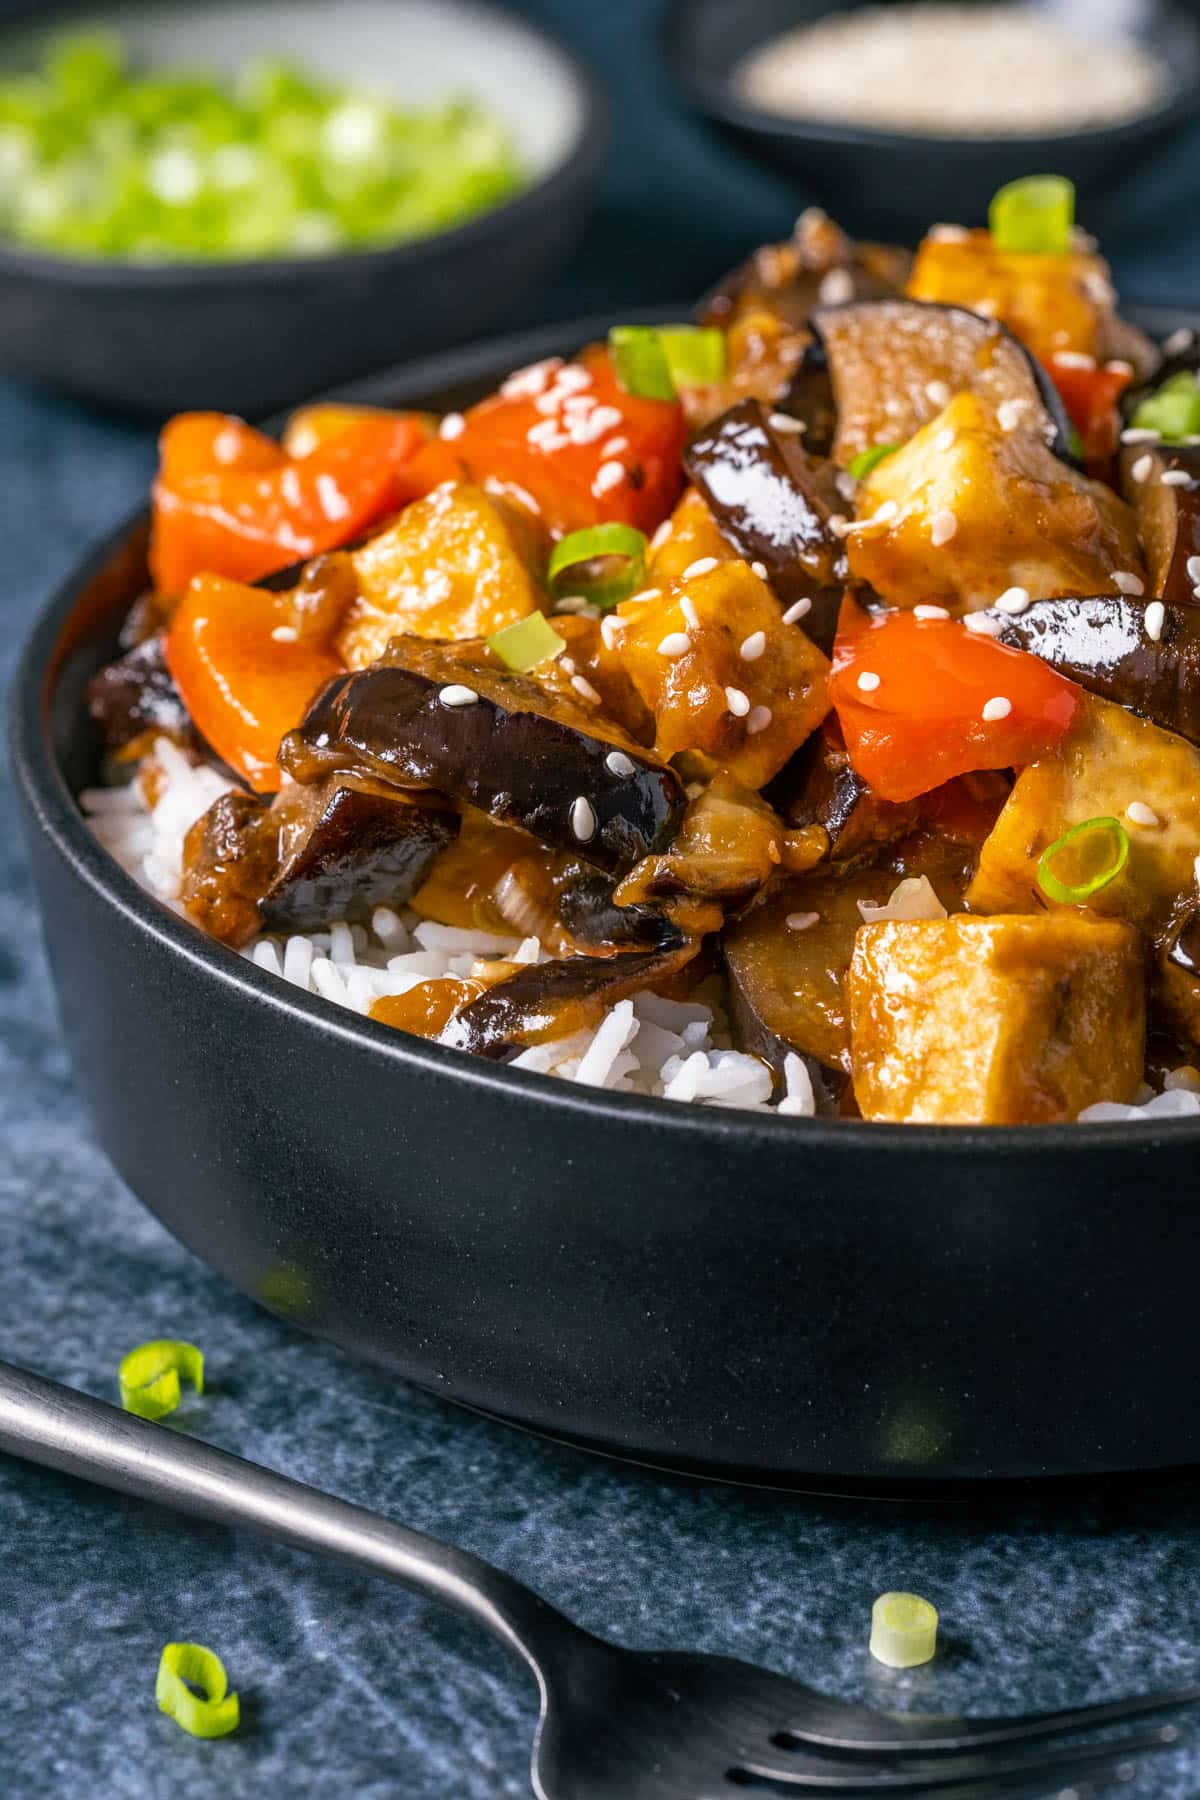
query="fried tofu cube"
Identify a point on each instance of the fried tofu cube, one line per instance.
(693, 534)
(1050, 302)
(966, 509)
(1108, 762)
(1014, 1020)
(722, 673)
(458, 564)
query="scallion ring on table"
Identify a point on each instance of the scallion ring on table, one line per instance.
(213, 1712)
(149, 1376)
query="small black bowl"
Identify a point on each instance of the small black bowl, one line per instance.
(890, 184)
(248, 337)
(811, 1303)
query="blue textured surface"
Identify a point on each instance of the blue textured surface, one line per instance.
(351, 1688)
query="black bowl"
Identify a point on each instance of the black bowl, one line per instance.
(745, 1296)
(890, 184)
(250, 336)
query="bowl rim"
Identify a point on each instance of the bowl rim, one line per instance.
(716, 98)
(584, 156)
(55, 812)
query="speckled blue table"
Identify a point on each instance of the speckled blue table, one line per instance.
(351, 1688)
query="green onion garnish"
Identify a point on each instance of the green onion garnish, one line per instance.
(149, 1376)
(212, 1713)
(1173, 411)
(654, 361)
(903, 1630)
(866, 460)
(600, 544)
(1105, 839)
(530, 641)
(1034, 214)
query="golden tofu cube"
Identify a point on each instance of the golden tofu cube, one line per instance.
(966, 509)
(457, 564)
(694, 534)
(722, 673)
(1108, 761)
(1050, 302)
(1005, 1021)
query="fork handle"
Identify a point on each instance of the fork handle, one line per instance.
(61, 1428)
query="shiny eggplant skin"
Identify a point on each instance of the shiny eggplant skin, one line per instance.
(591, 917)
(791, 280)
(358, 846)
(1168, 516)
(518, 755)
(753, 1034)
(137, 695)
(819, 786)
(552, 999)
(1102, 643)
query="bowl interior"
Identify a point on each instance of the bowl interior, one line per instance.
(413, 51)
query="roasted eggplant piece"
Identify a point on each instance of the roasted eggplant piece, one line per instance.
(1168, 516)
(135, 699)
(591, 917)
(441, 717)
(896, 363)
(727, 848)
(817, 266)
(831, 1087)
(553, 999)
(230, 857)
(820, 787)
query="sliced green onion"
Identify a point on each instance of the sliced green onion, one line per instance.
(1092, 836)
(866, 460)
(530, 641)
(149, 1376)
(1034, 214)
(600, 544)
(212, 1713)
(1173, 411)
(654, 361)
(903, 1630)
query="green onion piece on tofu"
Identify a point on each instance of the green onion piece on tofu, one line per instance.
(866, 460)
(1173, 410)
(213, 1712)
(606, 563)
(654, 361)
(149, 1376)
(530, 641)
(1034, 214)
(903, 1630)
(695, 354)
(1088, 857)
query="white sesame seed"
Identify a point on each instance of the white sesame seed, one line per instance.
(645, 594)
(880, 516)
(1143, 468)
(839, 524)
(995, 709)
(526, 382)
(608, 476)
(753, 646)
(1154, 618)
(567, 664)
(1179, 341)
(578, 604)
(982, 626)
(583, 686)
(1138, 813)
(930, 612)
(1196, 870)
(846, 485)
(457, 695)
(617, 763)
(1128, 582)
(942, 527)
(691, 617)
(1013, 600)
(937, 393)
(945, 439)
(800, 921)
(1193, 569)
(760, 569)
(784, 422)
(703, 565)
(285, 634)
(452, 426)
(610, 629)
(583, 819)
(1139, 434)
(757, 719)
(676, 643)
(574, 378)
(1175, 478)
(948, 234)
(1009, 414)
(837, 286)
(1074, 359)
(868, 681)
(799, 609)
(737, 702)
(661, 535)
(615, 446)
(545, 435)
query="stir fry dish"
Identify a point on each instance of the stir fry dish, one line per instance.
(798, 708)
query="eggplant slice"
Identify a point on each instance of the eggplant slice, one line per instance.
(136, 698)
(439, 716)
(792, 279)
(820, 787)
(1168, 515)
(896, 363)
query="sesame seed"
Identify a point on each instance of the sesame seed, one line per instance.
(839, 524)
(661, 535)
(583, 686)
(868, 681)
(1074, 359)
(846, 485)
(1179, 341)
(546, 436)
(937, 393)
(614, 446)
(608, 476)
(982, 626)
(757, 719)
(1128, 582)
(945, 438)
(799, 609)
(1193, 569)
(1196, 870)
(577, 604)
(784, 422)
(526, 382)
(837, 286)
(1143, 468)
(610, 629)
(574, 378)
(737, 702)
(617, 763)
(1013, 600)
(880, 516)
(457, 695)
(942, 527)
(948, 234)
(703, 565)
(452, 426)
(930, 612)
(760, 569)
(645, 594)
(1138, 813)
(1008, 414)
(753, 646)
(800, 921)
(691, 617)
(1139, 434)
(676, 643)
(583, 819)
(995, 709)
(567, 663)
(1154, 618)
(285, 634)
(1175, 478)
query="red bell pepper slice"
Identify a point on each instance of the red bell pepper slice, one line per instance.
(911, 695)
(1090, 396)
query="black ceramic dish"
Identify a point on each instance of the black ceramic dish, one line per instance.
(248, 337)
(891, 185)
(729, 1293)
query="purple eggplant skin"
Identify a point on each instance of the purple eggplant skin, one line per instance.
(753, 1035)
(553, 999)
(136, 696)
(1102, 643)
(591, 917)
(512, 751)
(787, 279)
(348, 848)
(819, 786)
(1168, 516)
